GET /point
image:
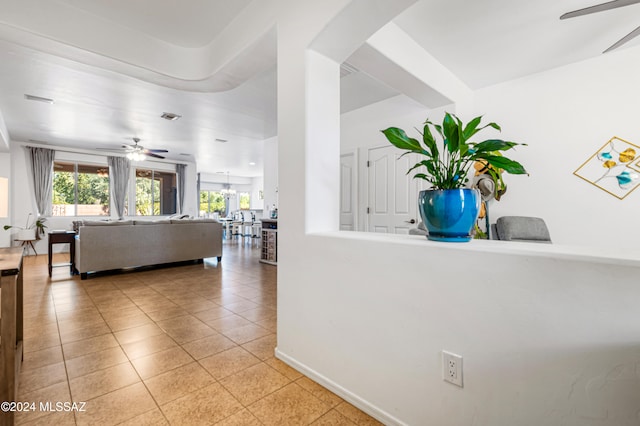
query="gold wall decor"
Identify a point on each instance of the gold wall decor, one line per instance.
(614, 168)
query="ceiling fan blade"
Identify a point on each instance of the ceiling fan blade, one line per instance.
(633, 34)
(156, 150)
(599, 8)
(151, 154)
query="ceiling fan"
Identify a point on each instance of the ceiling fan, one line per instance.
(601, 8)
(137, 152)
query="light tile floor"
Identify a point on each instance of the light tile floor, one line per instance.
(186, 345)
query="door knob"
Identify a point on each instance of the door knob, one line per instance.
(412, 221)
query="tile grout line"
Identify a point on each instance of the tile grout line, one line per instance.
(64, 360)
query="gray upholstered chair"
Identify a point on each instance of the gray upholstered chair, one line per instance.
(419, 230)
(522, 228)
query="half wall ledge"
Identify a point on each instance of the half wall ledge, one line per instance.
(604, 255)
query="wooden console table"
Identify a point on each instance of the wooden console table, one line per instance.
(65, 237)
(10, 327)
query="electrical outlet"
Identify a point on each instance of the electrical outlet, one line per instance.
(452, 368)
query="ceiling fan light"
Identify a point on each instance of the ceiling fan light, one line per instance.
(136, 156)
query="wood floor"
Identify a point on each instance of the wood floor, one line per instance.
(185, 345)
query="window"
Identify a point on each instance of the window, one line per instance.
(245, 200)
(80, 189)
(212, 202)
(155, 192)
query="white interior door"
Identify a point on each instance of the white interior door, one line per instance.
(348, 192)
(393, 195)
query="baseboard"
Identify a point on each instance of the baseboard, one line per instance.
(345, 394)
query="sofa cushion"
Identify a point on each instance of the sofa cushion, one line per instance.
(199, 220)
(106, 222)
(151, 222)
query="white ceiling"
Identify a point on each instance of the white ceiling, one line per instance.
(485, 42)
(97, 108)
(186, 24)
(104, 100)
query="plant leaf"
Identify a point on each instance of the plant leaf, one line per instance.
(420, 164)
(399, 139)
(494, 145)
(451, 129)
(471, 128)
(509, 166)
(430, 141)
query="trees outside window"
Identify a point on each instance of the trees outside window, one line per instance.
(245, 200)
(80, 189)
(212, 202)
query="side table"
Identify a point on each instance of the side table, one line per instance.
(63, 237)
(27, 244)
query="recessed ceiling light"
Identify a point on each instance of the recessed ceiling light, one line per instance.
(170, 116)
(38, 99)
(221, 140)
(252, 163)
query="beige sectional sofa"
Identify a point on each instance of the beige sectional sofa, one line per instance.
(107, 245)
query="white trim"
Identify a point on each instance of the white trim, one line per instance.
(348, 396)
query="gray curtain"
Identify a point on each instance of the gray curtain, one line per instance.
(42, 169)
(119, 182)
(180, 170)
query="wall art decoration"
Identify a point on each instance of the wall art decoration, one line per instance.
(614, 168)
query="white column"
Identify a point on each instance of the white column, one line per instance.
(322, 192)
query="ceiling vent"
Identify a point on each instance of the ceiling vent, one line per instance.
(346, 69)
(221, 140)
(38, 99)
(170, 116)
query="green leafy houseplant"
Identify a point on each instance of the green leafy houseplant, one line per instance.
(448, 168)
(38, 224)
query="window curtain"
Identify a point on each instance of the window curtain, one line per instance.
(119, 182)
(42, 169)
(180, 170)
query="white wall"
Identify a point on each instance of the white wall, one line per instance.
(257, 187)
(564, 115)
(547, 337)
(361, 128)
(5, 171)
(270, 174)
(4, 135)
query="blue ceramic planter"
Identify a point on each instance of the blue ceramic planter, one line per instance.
(449, 214)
